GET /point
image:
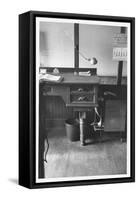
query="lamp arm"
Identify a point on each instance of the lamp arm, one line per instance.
(83, 56)
(93, 61)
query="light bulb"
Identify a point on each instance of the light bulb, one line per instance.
(93, 61)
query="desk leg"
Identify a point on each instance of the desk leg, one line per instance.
(82, 116)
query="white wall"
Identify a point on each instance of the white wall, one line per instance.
(9, 100)
(97, 41)
(57, 46)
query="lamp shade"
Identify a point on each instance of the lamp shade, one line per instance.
(93, 61)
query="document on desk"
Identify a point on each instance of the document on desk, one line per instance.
(85, 73)
(50, 77)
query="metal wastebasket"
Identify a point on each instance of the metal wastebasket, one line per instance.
(72, 129)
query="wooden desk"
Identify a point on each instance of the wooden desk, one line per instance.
(78, 92)
(93, 86)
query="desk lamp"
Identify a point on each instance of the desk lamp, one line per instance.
(92, 61)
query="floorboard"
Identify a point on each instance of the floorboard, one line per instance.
(105, 155)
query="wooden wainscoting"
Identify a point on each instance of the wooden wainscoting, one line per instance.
(53, 111)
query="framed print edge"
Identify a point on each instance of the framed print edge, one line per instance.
(133, 99)
(24, 129)
(27, 100)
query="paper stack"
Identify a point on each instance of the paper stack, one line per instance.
(88, 73)
(51, 77)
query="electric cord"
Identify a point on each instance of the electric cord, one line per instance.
(46, 146)
(99, 123)
(46, 151)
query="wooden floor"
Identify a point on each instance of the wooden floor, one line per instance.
(104, 155)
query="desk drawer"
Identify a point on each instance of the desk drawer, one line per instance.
(81, 88)
(72, 93)
(83, 94)
(82, 97)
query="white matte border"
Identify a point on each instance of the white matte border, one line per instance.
(120, 24)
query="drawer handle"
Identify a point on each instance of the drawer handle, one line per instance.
(80, 90)
(82, 99)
